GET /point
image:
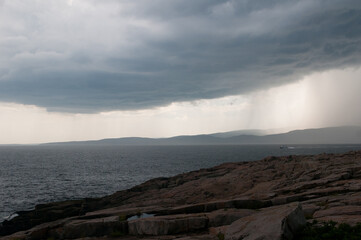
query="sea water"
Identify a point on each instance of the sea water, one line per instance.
(30, 175)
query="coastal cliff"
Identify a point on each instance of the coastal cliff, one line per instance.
(266, 199)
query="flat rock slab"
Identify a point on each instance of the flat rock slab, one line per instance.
(274, 223)
(91, 228)
(227, 216)
(165, 225)
(166, 237)
(348, 219)
(338, 210)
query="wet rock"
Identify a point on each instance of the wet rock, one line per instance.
(38, 232)
(43, 213)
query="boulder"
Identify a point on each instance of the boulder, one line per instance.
(273, 223)
(309, 210)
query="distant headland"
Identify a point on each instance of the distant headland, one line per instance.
(330, 135)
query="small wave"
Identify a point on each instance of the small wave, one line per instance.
(11, 216)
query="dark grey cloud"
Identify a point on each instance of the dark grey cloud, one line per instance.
(89, 56)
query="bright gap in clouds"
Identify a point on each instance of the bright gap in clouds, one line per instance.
(323, 99)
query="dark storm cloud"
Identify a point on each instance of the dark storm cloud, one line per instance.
(115, 55)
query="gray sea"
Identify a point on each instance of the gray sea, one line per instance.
(30, 175)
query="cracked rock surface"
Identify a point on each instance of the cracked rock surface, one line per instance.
(234, 200)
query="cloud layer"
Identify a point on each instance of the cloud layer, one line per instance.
(92, 56)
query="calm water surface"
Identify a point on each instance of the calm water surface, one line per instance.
(30, 175)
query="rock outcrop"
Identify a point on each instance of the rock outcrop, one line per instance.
(274, 223)
(266, 199)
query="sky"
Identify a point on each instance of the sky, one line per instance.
(88, 69)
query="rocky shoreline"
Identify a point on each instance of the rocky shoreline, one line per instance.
(267, 199)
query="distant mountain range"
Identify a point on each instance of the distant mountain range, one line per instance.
(331, 135)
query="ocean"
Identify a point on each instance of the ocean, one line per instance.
(31, 175)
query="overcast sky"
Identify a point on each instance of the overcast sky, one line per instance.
(88, 69)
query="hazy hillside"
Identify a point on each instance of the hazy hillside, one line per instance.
(332, 135)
